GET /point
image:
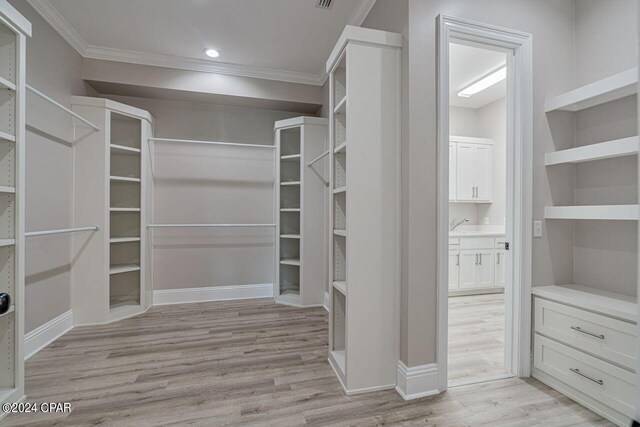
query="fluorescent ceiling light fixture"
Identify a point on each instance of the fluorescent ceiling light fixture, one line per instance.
(211, 53)
(484, 83)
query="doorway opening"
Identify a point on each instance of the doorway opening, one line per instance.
(484, 202)
(477, 213)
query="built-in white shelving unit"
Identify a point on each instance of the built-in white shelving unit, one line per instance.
(585, 338)
(111, 276)
(14, 30)
(301, 194)
(364, 70)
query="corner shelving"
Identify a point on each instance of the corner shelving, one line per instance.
(112, 183)
(363, 214)
(300, 196)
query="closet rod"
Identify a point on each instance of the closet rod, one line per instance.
(318, 158)
(193, 141)
(208, 225)
(61, 231)
(62, 107)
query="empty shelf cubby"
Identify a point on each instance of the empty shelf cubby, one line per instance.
(339, 316)
(289, 248)
(124, 224)
(289, 279)
(8, 52)
(340, 211)
(290, 223)
(124, 254)
(290, 171)
(339, 258)
(124, 195)
(8, 112)
(340, 128)
(340, 170)
(340, 84)
(290, 141)
(7, 216)
(7, 163)
(125, 131)
(124, 289)
(289, 197)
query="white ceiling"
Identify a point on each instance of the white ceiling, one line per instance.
(286, 40)
(469, 64)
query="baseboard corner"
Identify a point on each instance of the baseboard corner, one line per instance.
(47, 333)
(417, 381)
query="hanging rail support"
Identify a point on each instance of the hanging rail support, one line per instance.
(62, 107)
(318, 158)
(194, 141)
(207, 225)
(61, 231)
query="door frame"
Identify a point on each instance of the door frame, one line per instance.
(519, 185)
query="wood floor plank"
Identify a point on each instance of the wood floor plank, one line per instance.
(256, 363)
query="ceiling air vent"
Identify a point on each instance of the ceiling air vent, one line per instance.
(324, 4)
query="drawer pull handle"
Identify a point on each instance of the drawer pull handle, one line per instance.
(579, 329)
(577, 371)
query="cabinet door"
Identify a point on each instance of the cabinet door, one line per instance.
(467, 269)
(454, 268)
(500, 267)
(484, 269)
(452, 171)
(464, 172)
(482, 180)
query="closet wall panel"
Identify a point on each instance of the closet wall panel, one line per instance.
(55, 68)
(211, 184)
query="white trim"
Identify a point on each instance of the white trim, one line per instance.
(519, 190)
(212, 293)
(361, 12)
(64, 28)
(47, 333)
(417, 381)
(327, 301)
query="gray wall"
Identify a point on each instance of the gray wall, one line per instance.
(211, 184)
(54, 68)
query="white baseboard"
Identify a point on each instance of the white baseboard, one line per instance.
(327, 299)
(212, 293)
(417, 381)
(45, 334)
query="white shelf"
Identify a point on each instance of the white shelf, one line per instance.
(124, 239)
(291, 157)
(11, 310)
(340, 233)
(290, 261)
(124, 179)
(124, 209)
(606, 212)
(7, 136)
(6, 84)
(290, 183)
(7, 242)
(290, 210)
(596, 93)
(124, 149)
(341, 287)
(289, 236)
(341, 147)
(339, 190)
(341, 106)
(125, 268)
(339, 357)
(608, 303)
(10, 190)
(603, 150)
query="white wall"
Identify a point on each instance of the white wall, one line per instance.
(212, 184)
(55, 68)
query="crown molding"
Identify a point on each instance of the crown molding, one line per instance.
(183, 63)
(360, 13)
(64, 28)
(61, 25)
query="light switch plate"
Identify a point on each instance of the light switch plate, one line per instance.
(537, 228)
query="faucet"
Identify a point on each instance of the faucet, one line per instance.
(453, 224)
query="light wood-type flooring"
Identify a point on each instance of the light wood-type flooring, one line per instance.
(251, 363)
(476, 338)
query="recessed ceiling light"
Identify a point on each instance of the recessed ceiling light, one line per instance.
(484, 83)
(211, 53)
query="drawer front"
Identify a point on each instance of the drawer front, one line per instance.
(476, 243)
(613, 386)
(500, 242)
(454, 240)
(608, 338)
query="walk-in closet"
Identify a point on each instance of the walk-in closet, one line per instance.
(319, 212)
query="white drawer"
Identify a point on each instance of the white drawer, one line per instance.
(609, 384)
(476, 243)
(454, 240)
(602, 336)
(500, 242)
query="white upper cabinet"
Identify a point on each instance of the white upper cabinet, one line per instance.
(470, 170)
